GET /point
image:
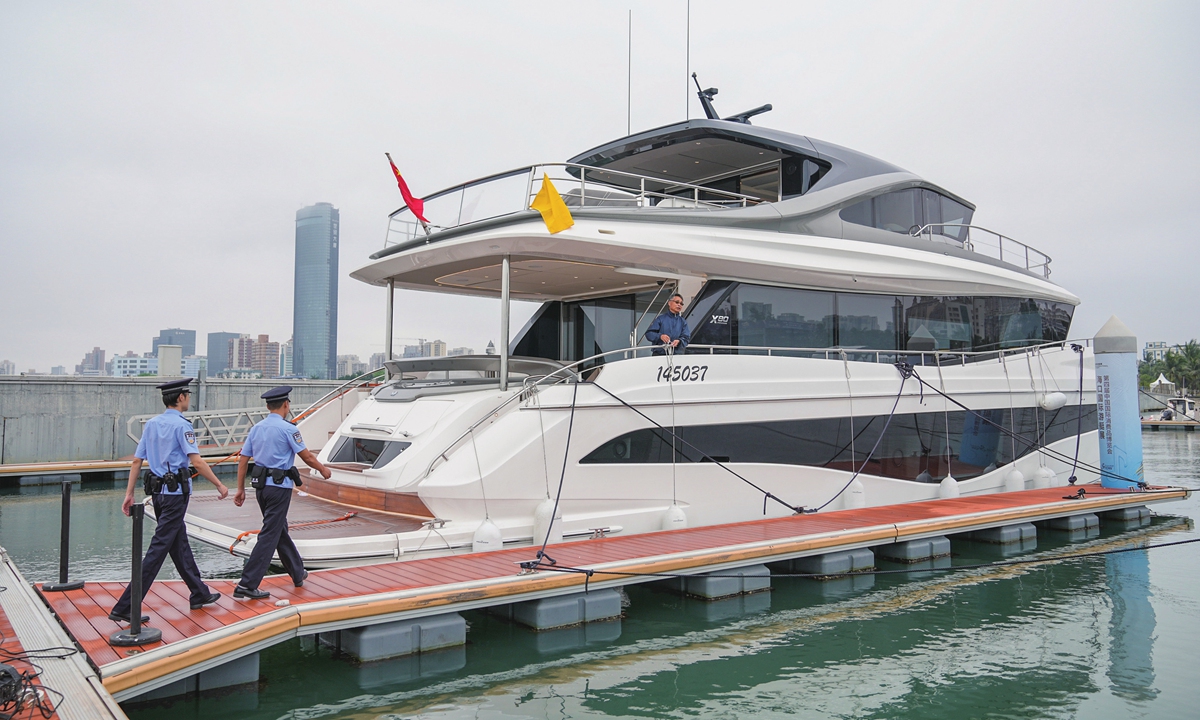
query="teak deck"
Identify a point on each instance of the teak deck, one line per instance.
(195, 640)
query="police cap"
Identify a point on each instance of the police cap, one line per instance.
(175, 386)
(277, 393)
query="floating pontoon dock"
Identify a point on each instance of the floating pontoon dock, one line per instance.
(220, 642)
(26, 627)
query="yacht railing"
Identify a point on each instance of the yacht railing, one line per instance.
(578, 371)
(989, 243)
(580, 186)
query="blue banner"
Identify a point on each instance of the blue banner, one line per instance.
(1119, 422)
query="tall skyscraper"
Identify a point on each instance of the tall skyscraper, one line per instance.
(185, 339)
(218, 351)
(314, 309)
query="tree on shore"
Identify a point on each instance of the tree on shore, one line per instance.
(1181, 367)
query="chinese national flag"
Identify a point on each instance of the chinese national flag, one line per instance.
(417, 205)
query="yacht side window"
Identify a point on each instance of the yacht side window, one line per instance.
(364, 451)
(904, 210)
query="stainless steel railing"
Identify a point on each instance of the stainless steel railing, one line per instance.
(988, 242)
(575, 371)
(580, 186)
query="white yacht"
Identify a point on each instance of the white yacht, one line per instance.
(813, 277)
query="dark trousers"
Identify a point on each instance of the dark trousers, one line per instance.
(170, 538)
(273, 502)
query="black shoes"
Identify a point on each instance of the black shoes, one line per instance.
(207, 601)
(125, 618)
(245, 593)
(300, 582)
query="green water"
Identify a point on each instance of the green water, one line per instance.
(1107, 637)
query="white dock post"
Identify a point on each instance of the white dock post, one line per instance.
(1118, 420)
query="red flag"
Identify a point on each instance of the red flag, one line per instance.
(417, 205)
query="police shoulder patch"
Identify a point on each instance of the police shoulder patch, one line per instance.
(190, 437)
(296, 437)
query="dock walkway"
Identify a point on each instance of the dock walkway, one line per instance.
(337, 599)
(26, 627)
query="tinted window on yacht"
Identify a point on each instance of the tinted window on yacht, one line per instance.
(800, 174)
(577, 330)
(744, 315)
(783, 317)
(904, 210)
(968, 443)
(375, 453)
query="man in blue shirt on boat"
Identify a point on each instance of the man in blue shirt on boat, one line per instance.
(167, 446)
(670, 329)
(274, 444)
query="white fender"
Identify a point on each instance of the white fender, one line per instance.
(1052, 401)
(948, 487)
(547, 529)
(674, 519)
(855, 495)
(1044, 477)
(1014, 481)
(487, 537)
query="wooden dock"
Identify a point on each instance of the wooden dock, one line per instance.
(1186, 425)
(337, 599)
(27, 627)
(63, 468)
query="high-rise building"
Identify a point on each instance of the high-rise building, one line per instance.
(433, 348)
(185, 339)
(314, 309)
(285, 358)
(460, 351)
(218, 350)
(350, 365)
(93, 363)
(58, 370)
(264, 356)
(377, 361)
(241, 353)
(8, 367)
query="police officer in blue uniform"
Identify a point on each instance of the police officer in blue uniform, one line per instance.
(274, 444)
(168, 444)
(670, 329)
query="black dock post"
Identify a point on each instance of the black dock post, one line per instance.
(64, 547)
(136, 634)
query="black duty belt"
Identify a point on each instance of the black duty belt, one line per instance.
(172, 482)
(259, 476)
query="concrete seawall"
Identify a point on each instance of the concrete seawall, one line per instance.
(56, 418)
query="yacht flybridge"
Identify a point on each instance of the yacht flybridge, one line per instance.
(856, 341)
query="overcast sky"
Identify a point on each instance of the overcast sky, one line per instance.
(153, 155)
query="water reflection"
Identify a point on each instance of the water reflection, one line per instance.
(1131, 629)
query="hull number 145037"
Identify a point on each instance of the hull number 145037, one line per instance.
(682, 373)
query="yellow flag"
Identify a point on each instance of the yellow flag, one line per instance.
(550, 204)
